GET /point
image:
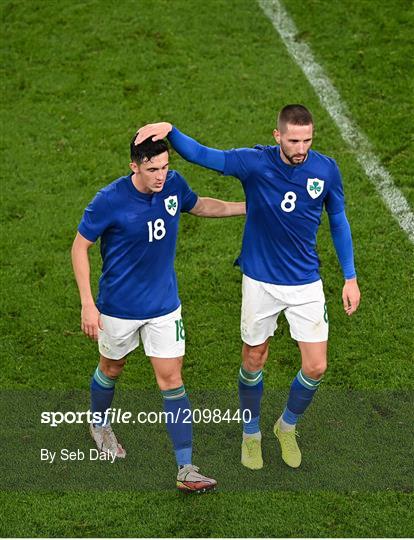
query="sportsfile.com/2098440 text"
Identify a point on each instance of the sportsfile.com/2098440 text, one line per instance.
(118, 416)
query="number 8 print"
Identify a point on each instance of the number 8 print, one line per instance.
(288, 203)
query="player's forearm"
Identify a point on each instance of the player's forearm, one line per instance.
(81, 269)
(215, 208)
(193, 151)
(235, 209)
(342, 239)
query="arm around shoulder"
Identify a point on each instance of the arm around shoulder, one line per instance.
(215, 208)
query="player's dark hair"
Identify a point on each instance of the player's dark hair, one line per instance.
(147, 149)
(298, 115)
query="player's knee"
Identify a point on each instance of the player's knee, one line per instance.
(112, 368)
(316, 371)
(255, 357)
(169, 381)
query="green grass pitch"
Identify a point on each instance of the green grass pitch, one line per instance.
(78, 79)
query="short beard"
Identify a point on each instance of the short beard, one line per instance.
(290, 158)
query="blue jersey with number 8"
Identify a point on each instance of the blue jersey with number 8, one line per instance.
(284, 207)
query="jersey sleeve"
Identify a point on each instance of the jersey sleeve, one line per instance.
(335, 200)
(240, 162)
(342, 239)
(96, 218)
(193, 151)
(188, 196)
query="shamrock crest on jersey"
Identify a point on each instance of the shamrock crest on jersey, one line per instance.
(171, 204)
(315, 187)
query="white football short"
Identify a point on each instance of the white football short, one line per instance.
(162, 337)
(304, 307)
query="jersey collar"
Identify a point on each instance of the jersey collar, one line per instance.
(292, 172)
(135, 193)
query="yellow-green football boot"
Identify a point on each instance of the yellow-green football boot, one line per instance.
(291, 453)
(251, 455)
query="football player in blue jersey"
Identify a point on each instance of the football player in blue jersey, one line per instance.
(286, 187)
(137, 217)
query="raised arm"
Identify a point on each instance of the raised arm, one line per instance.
(188, 148)
(90, 320)
(215, 208)
(342, 239)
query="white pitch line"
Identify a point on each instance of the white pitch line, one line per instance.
(331, 100)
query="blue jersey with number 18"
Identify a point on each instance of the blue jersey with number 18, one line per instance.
(138, 234)
(284, 207)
